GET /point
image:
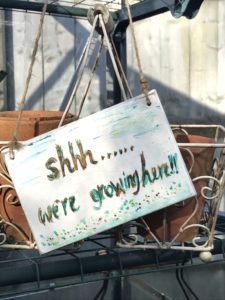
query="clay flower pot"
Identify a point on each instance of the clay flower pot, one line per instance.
(165, 224)
(33, 123)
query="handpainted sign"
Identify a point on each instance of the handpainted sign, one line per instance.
(99, 172)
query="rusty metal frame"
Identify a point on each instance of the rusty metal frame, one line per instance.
(212, 193)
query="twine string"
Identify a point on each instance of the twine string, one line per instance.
(14, 144)
(90, 79)
(77, 84)
(143, 81)
(97, 18)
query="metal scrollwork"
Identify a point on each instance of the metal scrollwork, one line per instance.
(205, 205)
(12, 235)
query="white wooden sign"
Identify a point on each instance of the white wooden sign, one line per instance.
(99, 172)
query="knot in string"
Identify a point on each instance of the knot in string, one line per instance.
(14, 144)
(144, 89)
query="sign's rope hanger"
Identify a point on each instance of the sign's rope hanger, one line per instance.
(108, 26)
(14, 143)
(101, 21)
(143, 81)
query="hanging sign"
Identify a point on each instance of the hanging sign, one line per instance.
(99, 172)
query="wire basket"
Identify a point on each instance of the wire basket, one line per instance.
(14, 228)
(190, 224)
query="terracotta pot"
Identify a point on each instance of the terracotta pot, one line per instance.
(33, 124)
(165, 223)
